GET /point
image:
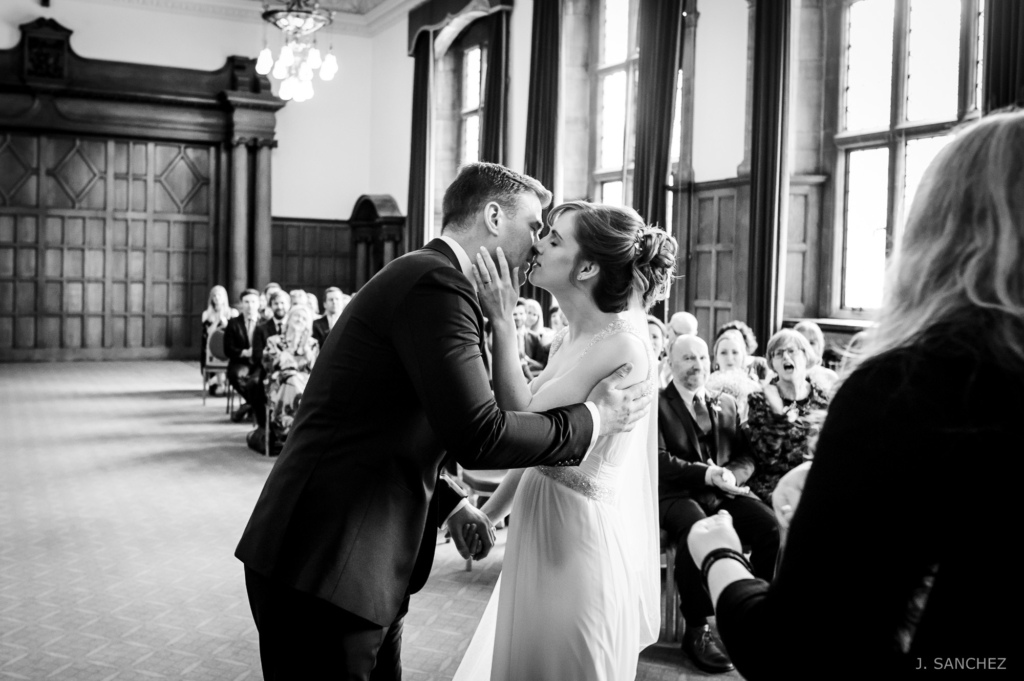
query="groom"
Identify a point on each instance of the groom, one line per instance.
(345, 527)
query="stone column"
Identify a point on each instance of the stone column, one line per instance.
(238, 254)
(261, 218)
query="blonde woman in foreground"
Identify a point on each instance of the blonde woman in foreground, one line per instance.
(897, 556)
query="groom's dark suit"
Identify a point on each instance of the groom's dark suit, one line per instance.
(349, 514)
(684, 454)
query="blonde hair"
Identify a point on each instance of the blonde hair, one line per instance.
(307, 326)
(959, 261)
(224, 313)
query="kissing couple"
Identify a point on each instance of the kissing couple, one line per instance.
(345, 527)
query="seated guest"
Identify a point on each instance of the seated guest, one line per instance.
(298, 297)
(817, 373)
(265, 310)
(702, 461)
(244, 369)
(287, 360)
(535, 322)
(314, 304)
(217, 314)
(657, 331)
(680, 324)
(280, 303)
(334, 303)
(730, 375)
(783, 416)
(885, 575)
(757, 367)
(531, 352)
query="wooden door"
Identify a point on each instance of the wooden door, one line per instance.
(713, 258)
(104, 247)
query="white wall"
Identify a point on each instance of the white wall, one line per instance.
(720, 83)
(320, 165)
(391, 124)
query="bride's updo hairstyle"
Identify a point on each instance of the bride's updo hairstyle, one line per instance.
(632, 256)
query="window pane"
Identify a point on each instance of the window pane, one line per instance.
(920, 153)
(933, 67)
(869, 64)
(611, 192)
(613, 120)
(615, 31)
(677, 120)
(866, 200)
(979, 63)
(471, 139)
(471, 79)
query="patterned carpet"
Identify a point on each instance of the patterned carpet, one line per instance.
(121, 500)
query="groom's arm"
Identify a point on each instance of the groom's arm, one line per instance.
(437, 336)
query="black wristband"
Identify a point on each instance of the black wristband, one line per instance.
(717, 555)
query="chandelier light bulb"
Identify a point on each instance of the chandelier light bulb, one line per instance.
(280, 70)
(287, 56)
(305, 72)
(304, 91)
(265, 62)
(287, 90)
(329, 68)
(314, 59)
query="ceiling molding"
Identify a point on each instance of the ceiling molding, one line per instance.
(381, 17)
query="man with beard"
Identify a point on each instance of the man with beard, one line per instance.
(703, 459)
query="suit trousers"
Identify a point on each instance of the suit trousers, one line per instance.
(303, 637)
(755, 524)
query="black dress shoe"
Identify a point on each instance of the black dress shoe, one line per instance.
(700, 646)
(242, 414)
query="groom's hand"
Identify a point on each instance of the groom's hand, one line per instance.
(472, 532)
(620, 409)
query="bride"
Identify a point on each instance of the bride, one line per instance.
(578, 597)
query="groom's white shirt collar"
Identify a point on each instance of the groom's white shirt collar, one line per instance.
(464, 262)
(467, 269)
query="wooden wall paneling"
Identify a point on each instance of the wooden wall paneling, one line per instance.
(803, 246)
(312, 255)
(714, 233)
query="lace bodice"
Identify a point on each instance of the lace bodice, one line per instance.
(598, 476)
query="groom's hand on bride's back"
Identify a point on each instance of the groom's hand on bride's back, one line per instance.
(620, 409)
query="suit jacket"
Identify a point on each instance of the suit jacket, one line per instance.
(259, 339)
(349, 512)
(321, 327)
(236, 339)
(681, 463)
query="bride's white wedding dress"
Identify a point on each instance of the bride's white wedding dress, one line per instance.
(578, 597)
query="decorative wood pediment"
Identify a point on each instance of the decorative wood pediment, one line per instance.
(46, 86)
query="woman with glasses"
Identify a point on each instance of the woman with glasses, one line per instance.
(782, 417)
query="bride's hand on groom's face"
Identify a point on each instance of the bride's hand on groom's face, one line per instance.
(497, 290)
(620, 409)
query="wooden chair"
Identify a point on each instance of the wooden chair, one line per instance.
(481, 485)
(672, 632)
(216, 364)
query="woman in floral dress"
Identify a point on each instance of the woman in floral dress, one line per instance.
(288, 359)
(784, 417)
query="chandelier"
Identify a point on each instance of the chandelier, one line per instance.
(299, 57)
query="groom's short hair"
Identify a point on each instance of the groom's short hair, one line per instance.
(480, 183)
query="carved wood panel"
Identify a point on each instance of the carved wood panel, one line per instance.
(713, 251)
(104, 247)
(804, 226)
(312, 255)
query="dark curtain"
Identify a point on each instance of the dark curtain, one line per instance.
(542, 110)
(415, 222)
(493, 125)
(768, 181)
(659, 37)
(1004, 54)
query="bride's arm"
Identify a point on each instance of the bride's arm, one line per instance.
(500, 503)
